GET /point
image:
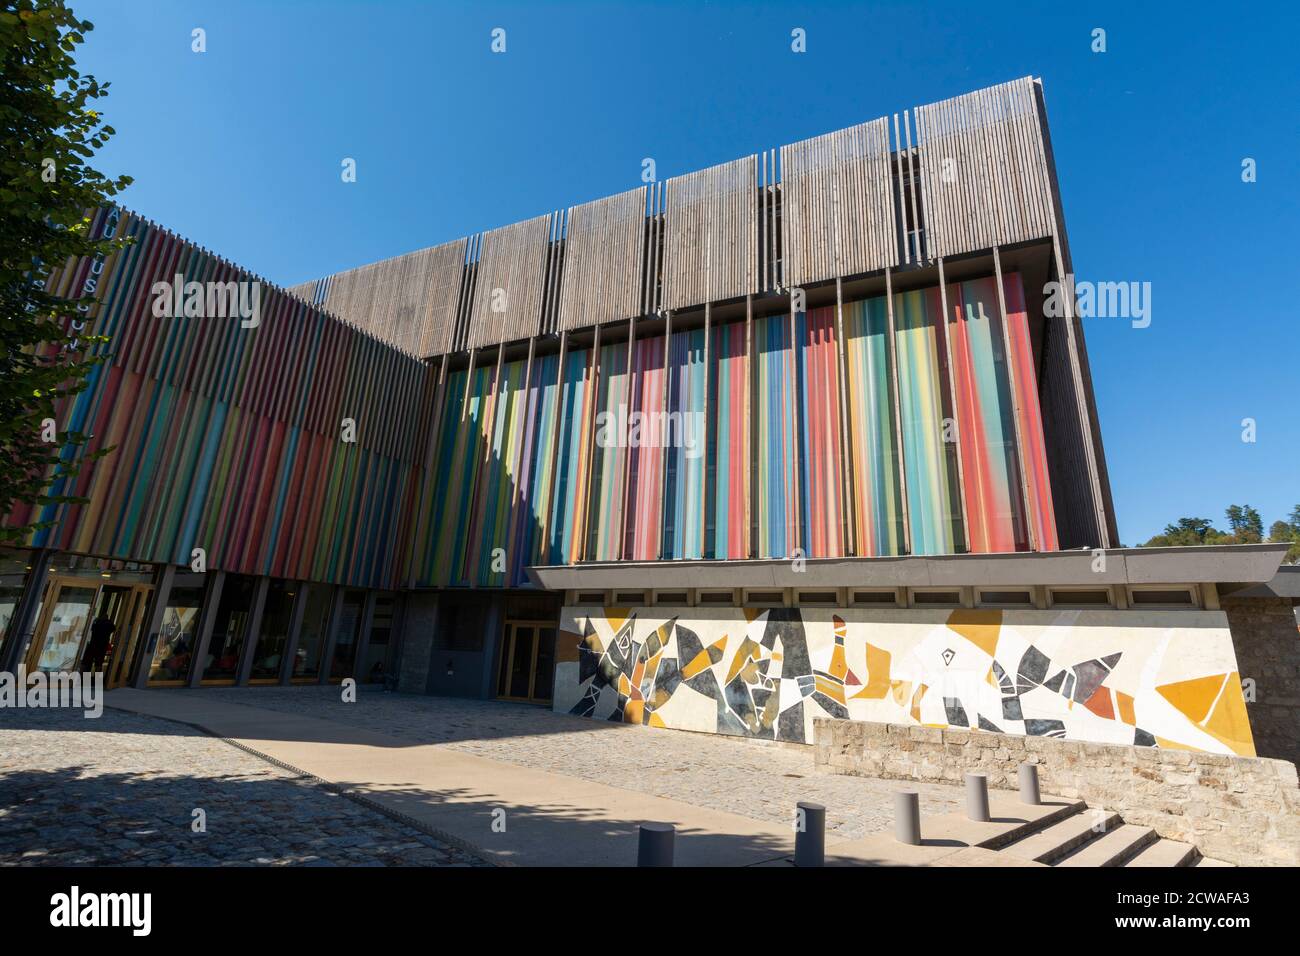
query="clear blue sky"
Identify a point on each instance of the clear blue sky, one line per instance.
(239, 149)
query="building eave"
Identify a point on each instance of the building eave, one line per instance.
(1250, 564)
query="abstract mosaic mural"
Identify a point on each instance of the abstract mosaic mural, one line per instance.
(1165, 679)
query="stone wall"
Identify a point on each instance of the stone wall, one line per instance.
(1239, 809)
(1267, 641)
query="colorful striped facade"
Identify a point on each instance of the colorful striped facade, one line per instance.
(568, 400)
(527, 465)
(230, 439)
(775, 441)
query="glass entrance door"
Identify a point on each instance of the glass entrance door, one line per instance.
(128, 623)
(527, 662)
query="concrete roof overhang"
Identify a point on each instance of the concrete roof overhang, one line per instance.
(1284, 584)
(1241, 565)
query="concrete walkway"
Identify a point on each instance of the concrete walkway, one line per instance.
(507, 813)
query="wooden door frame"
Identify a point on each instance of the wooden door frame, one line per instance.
(40, 633)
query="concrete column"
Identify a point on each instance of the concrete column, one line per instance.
(492, 628)
(295, 630)
(252, 631)
(331, 634)
(207, 618)
(23, 623)
(363, 638)
(414, 627)
(162, 593)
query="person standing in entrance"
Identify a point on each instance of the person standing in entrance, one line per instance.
(101, 632)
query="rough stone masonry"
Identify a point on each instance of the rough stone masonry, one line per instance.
(1243, 810)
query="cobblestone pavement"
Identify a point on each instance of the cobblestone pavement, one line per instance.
(759, 780)
(121, 789)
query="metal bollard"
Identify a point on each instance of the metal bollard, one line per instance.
(810, 839)
(1029, 784)
(655, 845)
(977, 797)
(907, 817)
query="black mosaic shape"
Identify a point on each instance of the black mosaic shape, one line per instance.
(729, 723)
(986, 725)
(707, 684)
(689, 645)
(789, 724)
(956, 712)
(1089, 676)
(786, 624)
(1037, 727)
(1142, 739)
(588, 663)
(586, 707)
(1054, 683)
(1032, 669)
(832, 707)
(741, 703)
(669, 677)
(1011, 709)
(1068, 689)
(806, 683)
(1110, 660)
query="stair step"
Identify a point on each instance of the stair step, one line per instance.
(1049, 845)
(1165, 853)
(1111, 848)
(1206, 861)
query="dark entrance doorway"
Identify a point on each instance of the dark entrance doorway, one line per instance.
(527, 662)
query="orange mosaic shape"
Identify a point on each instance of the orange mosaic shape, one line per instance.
(1215, 704)
(980, 626)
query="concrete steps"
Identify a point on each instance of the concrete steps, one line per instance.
(1057, 832)
(1056, 841)
(1167, 853)
(1113, 848)
(1090, 839)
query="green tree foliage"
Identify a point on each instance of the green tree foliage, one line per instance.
(1289, 530)
(49, 131)
(1246, 524)
(1245, 527)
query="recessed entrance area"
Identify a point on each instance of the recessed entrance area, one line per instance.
(527, 671)
(88, 624)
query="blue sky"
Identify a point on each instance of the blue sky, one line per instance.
(239, 149)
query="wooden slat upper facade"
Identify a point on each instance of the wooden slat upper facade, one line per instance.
(838, 204)
(604, 252)
(408, 301)
(711, 234)
(511, 278)
(846, 203)
(983, 170)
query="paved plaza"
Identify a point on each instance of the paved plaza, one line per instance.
(754, 779)
(122, 788)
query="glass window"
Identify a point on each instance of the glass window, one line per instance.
(67, 626)
(269, 651)
(346, 635)
(171, 658)
(381, 631)
(306, 662)
(229, 628)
